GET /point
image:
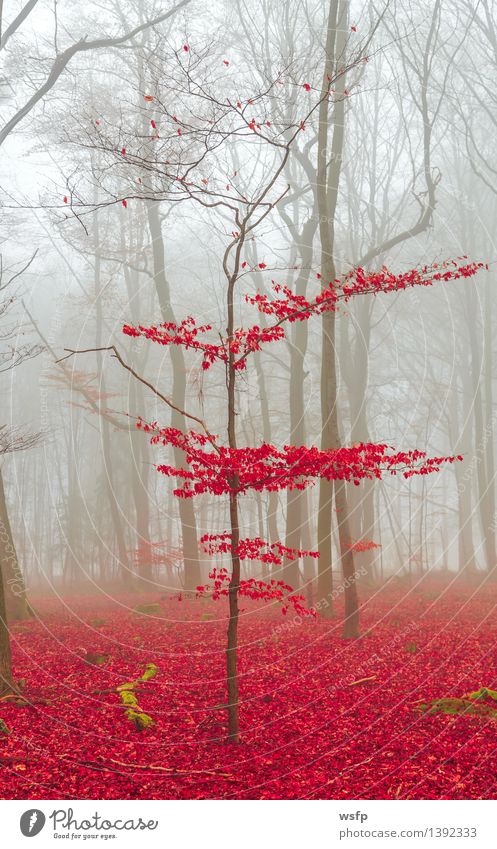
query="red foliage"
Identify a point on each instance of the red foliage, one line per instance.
(292, 307)
(308, 730)
(257, 590)
(253, 549)
(363, 545)
(211, 467)
(187, 332)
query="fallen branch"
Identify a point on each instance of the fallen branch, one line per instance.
(174, 771)
(362, 680)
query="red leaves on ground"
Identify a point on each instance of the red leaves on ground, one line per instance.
(307, 732)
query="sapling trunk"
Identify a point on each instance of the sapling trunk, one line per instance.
(232, 645)
(234, 587)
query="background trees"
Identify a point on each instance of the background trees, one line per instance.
(395, 172)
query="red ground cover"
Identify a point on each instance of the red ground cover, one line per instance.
(308, 729)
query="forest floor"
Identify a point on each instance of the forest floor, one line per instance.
(311, 728)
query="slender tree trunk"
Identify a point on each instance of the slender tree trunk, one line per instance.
(14, 589)
(139, 447)
(186, 511)
(356, 377)
(328, 177)
(328, 376)
(110, 483)
(5, 657)
(460, 436)
(234, 587)
(483, 434)
(489, 424)
(296, 498)
(232, 645)
(272, 514)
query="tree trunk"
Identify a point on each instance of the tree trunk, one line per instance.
(234, 587)
(186, 511)
(5, 658)
(14, 589)
(328, 178)
(110, 483)
(483, 430)
(295, 497)
(232, 644)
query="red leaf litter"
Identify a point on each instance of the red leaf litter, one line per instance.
(321, 717)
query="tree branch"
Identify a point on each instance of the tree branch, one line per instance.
(62, 60)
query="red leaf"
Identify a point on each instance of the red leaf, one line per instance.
(148, 97)
(307, 86)
(124, 203)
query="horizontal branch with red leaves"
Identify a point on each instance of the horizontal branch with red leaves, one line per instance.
(253, 549)
(291, 308)
(268, 468)
(257, 591)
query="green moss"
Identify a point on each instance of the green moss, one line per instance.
(482, 693)
(128, 698)
(150, 672)
(140, 720)
(455, 706)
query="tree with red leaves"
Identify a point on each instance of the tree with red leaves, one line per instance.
(228, 470)
(222, 467)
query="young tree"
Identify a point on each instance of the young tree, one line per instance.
(188, 169)
(227, 470)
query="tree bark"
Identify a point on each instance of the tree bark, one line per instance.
(186, 511)
(328, 177)
(14, 589)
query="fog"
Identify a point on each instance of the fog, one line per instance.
(415, 184)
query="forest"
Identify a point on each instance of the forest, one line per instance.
(247, 476)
